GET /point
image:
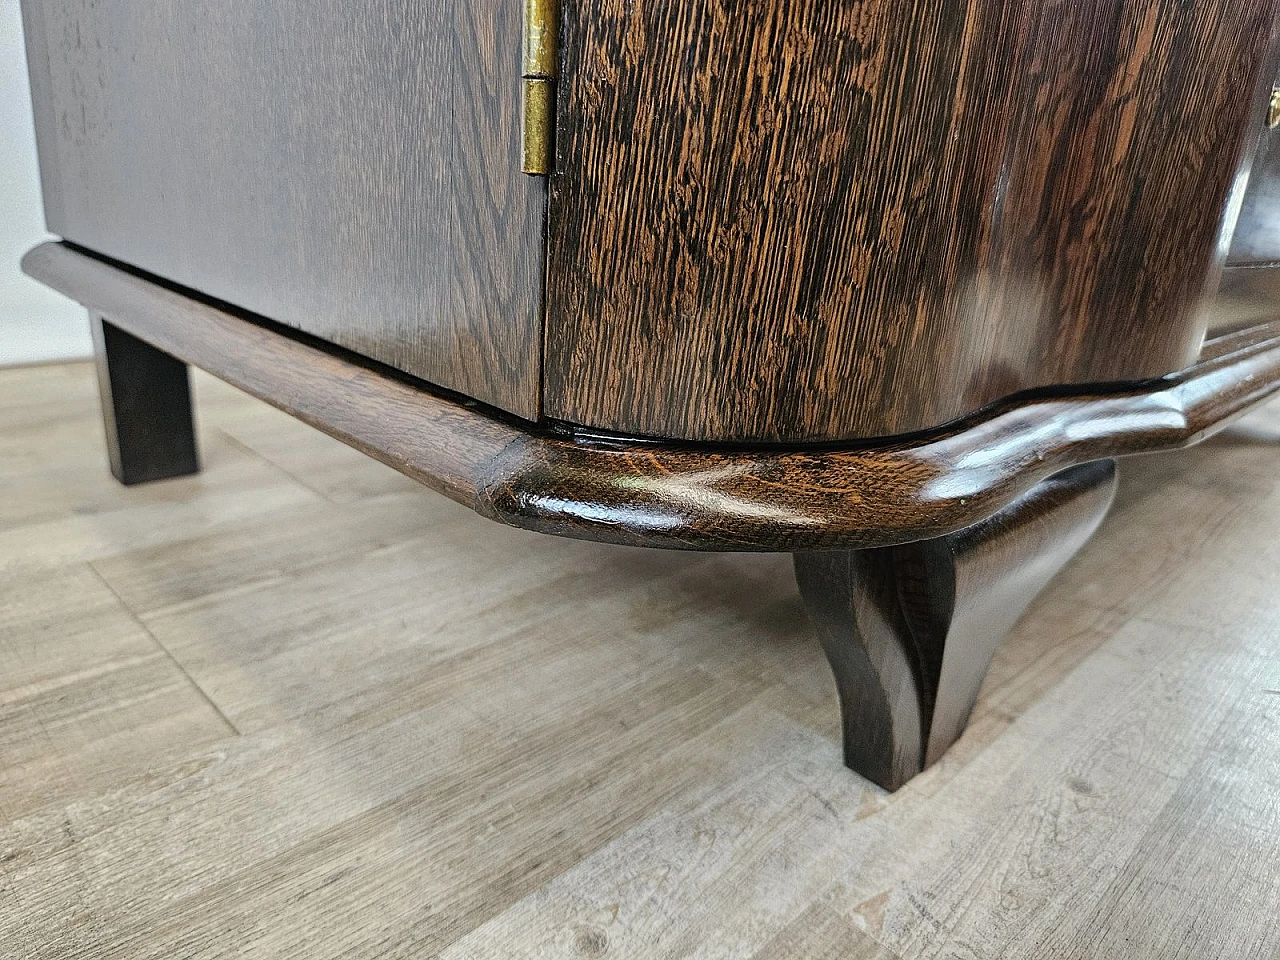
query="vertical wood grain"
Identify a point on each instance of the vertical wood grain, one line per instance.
(817, 221)
(350, 169)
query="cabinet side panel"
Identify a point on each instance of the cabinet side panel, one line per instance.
(41, 96)
(833, 219)
(347, 168)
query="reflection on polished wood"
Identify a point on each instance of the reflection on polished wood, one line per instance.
(821, 221)
(910, 630)
(666, 495)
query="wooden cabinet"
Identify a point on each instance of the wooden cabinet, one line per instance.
(887, 285)
(770, 222)
(351, 169)
(828, 220)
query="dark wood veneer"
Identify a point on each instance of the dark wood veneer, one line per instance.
(664, 495)
(800, 221)
(910, 630)
(348, 168)
(882, 283)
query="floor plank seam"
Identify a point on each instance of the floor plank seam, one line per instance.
(263, 458)
(172, 659)
(464, 741)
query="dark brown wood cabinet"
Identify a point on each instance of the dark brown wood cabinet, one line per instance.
(887, 285)
(820, 221)
(348, 169)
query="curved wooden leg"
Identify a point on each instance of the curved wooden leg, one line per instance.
(146, 407)
(910, 631)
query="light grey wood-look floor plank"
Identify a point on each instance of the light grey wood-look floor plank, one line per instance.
(297, 706)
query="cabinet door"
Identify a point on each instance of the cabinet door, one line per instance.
(799, 221)
(347, 167)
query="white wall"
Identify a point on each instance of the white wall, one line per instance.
(36, 324)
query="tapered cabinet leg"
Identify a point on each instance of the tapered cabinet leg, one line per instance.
(910, 630)
(146, 407)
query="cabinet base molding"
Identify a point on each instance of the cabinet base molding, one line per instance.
(914, 554)
(670, 495)
(910, 630)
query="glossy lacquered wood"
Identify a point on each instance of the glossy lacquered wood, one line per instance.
(347, 167)
(910, 630)
(1255, 238)
(678, 496)
(803, 221)
(440, 443)
(146, 407)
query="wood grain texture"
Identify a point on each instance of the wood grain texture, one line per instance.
(911, 489)
(146, 407)
(676, 496)
(433, 759)
(350, 169)
(910, 631)
(434, 441)
(829, 220)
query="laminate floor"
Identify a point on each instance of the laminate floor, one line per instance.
(299, 707)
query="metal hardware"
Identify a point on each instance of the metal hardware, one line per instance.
(541, 58)
(1273, 113)
(540, 67)
(539, 113)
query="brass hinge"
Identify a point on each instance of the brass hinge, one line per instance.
(540, 68)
